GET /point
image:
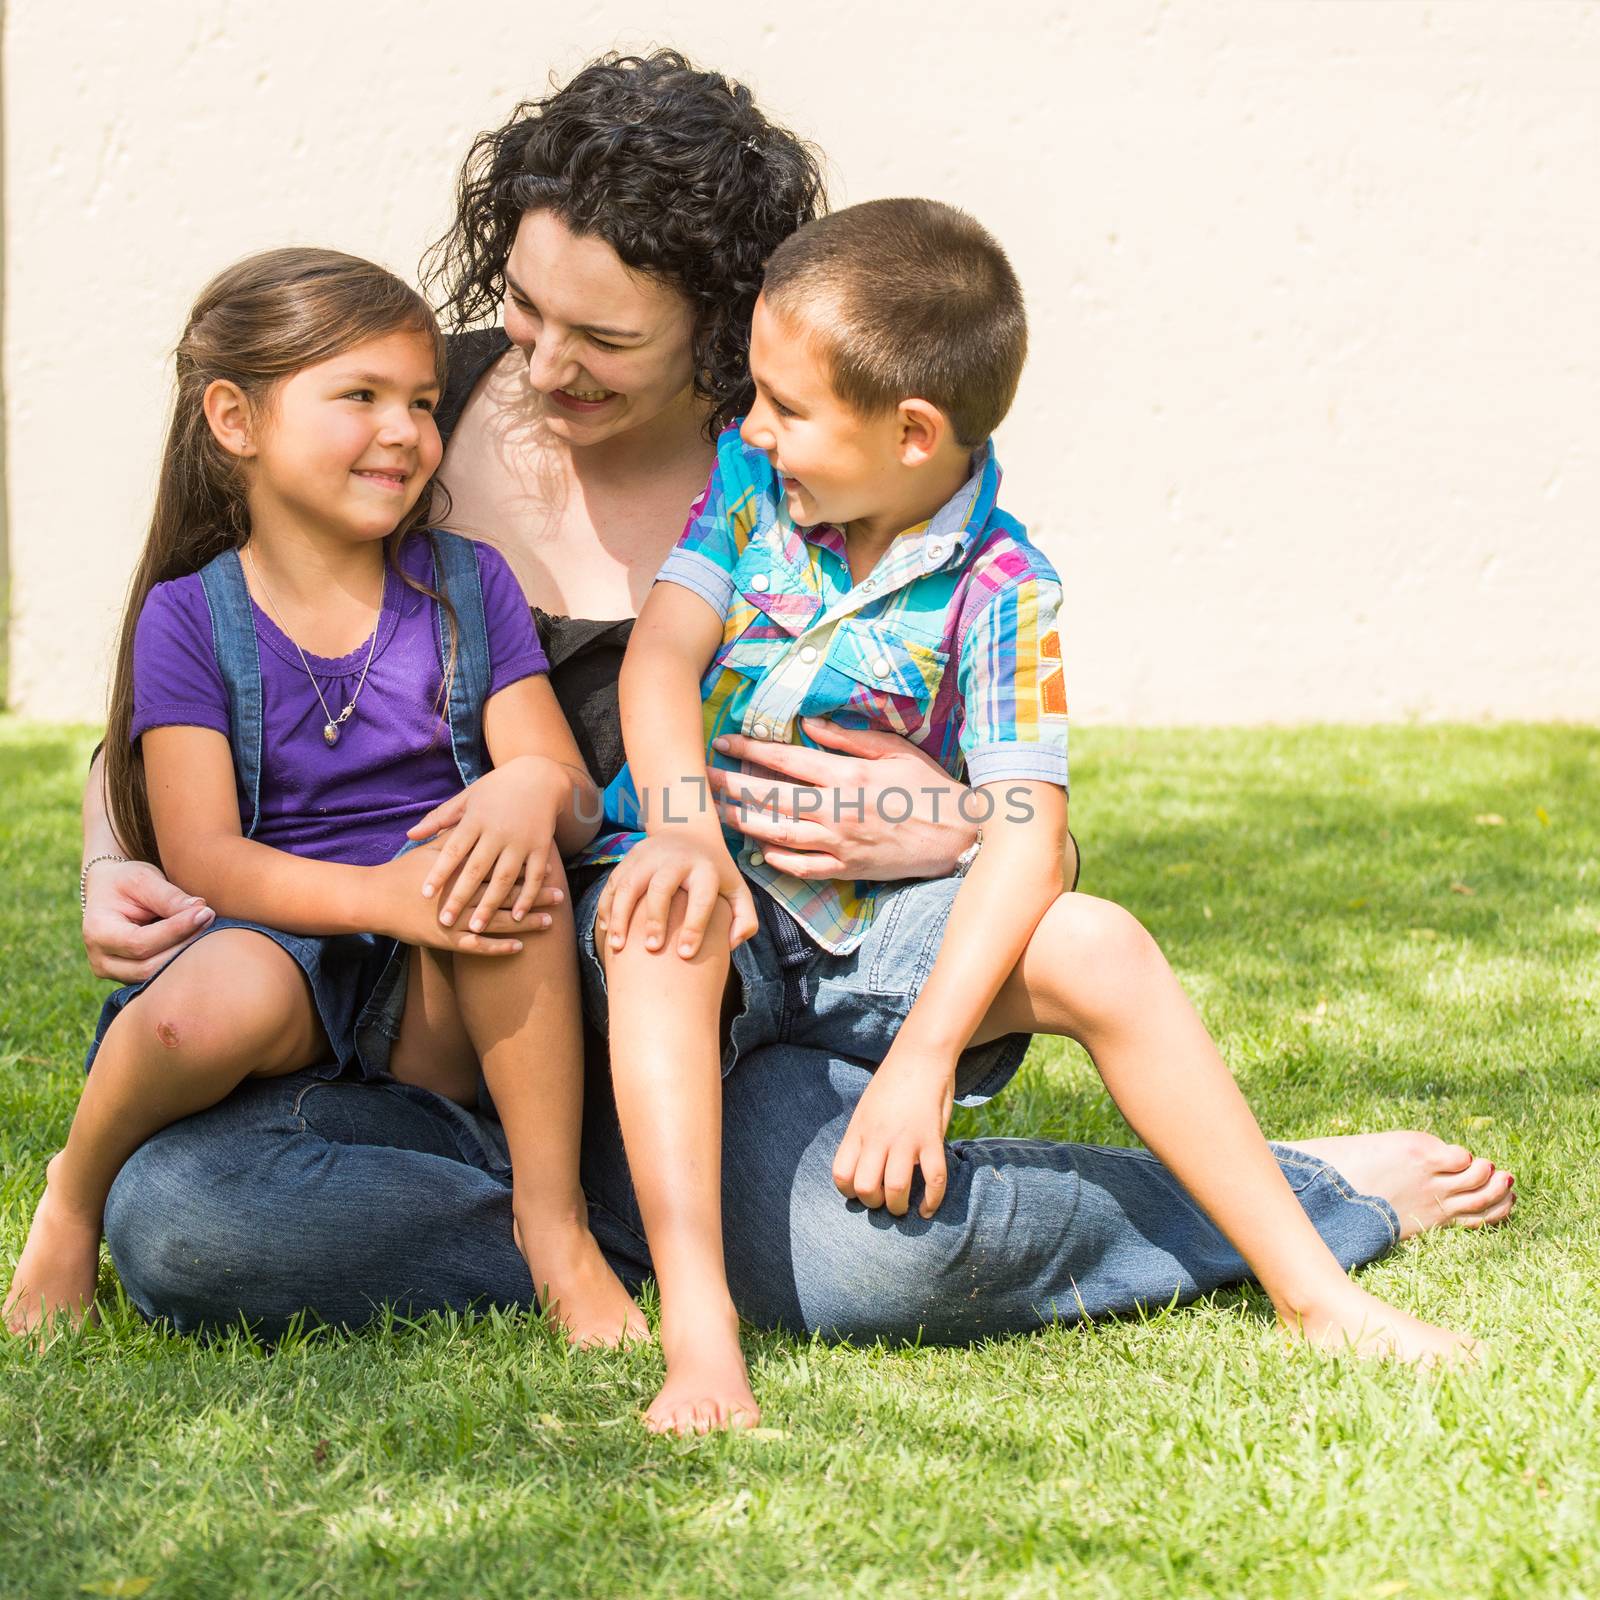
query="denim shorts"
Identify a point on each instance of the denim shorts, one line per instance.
(791, 991)
(358, 985)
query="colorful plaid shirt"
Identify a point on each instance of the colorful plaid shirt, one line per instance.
(950, 641)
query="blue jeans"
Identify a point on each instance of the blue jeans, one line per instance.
(333, 1198)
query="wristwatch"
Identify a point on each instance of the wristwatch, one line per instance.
(968, 856)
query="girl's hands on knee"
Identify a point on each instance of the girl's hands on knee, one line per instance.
(898, 1126)
(501, 833)
(404, 913)
(642, 887)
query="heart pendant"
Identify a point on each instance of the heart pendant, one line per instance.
(330, 733)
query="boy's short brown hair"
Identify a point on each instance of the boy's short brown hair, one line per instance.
(909, 298)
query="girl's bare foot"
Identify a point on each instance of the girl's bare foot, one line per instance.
(1429, 1183)
(55, 1276)
(1351, 1320)
(578, 1288)
(707, 1387)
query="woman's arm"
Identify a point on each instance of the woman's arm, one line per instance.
(900, 1122)
(134, 919)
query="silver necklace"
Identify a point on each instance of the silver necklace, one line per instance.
(332, 724)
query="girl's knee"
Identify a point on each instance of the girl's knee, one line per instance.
(242, 997)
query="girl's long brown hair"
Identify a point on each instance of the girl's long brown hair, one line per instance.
(255, 324)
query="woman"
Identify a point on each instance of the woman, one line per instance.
(624, 222)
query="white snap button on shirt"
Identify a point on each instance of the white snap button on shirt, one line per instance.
(808, 654)
(761, 730)
(756, 858)
(869, 583)
(760, 582)
(880, 667)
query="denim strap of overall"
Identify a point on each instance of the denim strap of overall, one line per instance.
(233, 636)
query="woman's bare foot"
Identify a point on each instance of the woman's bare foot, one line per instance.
(1429, 1183)
(707, 1387)
(55, 1276)
(1351, 1320)
(578, 1288)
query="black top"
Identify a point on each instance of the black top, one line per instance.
(585, 657)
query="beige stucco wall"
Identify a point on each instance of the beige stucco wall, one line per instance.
(1312, 424)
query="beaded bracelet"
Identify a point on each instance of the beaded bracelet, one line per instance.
(83, 877)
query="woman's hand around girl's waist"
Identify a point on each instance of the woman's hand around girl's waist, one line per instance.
(135, 920)
(502, 830)
(401, 910)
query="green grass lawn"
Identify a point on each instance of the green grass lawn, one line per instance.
(1384, 927)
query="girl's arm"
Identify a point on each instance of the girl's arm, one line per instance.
(899, 1123)
(502, 827)
(195, 810)
(524, 722)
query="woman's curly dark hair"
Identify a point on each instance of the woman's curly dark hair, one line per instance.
(676, 169)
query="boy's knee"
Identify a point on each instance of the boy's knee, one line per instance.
(1090, 933)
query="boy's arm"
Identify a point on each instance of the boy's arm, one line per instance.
(663, 731)
(900, 1121)
(663, 725)
(194, 807)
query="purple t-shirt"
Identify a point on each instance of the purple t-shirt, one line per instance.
(351, 802)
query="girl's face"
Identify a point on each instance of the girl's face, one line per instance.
(607, 348)
(347, 446)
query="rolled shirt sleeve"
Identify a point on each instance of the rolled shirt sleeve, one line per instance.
(1013, 688)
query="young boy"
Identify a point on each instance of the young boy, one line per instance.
(849, 560)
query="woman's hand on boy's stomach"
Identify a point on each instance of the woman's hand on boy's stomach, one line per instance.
(500, 834)
(403, 912)
(638, 896)
(868, 805)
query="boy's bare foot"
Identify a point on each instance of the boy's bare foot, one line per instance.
(707, 1387)
(55, 1276)
(1429, 1183)
(1353, 1321)
(578, 1288)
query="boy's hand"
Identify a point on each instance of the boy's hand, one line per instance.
(898, 1126)
(654, 871)
(401, 912)
(503, 828)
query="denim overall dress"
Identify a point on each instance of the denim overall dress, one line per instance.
(358, 981)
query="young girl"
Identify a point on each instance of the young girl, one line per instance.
(305, 674)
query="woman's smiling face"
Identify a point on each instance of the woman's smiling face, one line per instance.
(608, 349)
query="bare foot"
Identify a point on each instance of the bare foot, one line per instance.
(707, 1387)
(1429, 1183)
(577, 1287)
(56, 1272)
(1356, 1322)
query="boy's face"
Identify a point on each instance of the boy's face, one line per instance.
(837, 465)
